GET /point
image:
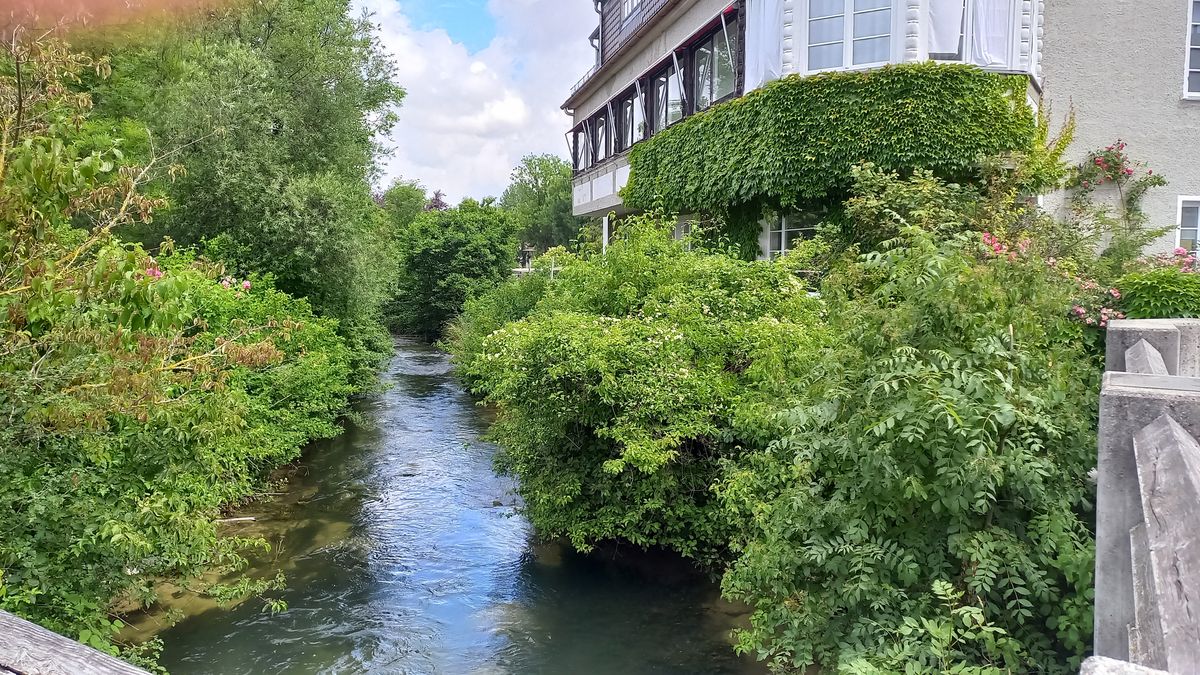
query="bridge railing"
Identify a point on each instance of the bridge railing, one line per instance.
(1148, 502)
(28, 649)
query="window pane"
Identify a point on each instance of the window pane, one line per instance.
(825, 56)
(791, 238)
(826, 30)
(870, 24)
(1194, 61)
(860, 5)
(1189, 244)
(1194, 83)
(601, 138)
(1191, 216)
(639, 118)
(725, 82)
(818, 8)
(1195, 11)
(704, 76)
(874, 50)
(660, 102)
(675, 95)
(626, 115)
(1196, 35)
(776, 243)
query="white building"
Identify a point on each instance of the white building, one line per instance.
(659, 61)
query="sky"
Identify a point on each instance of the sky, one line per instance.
(485, 82)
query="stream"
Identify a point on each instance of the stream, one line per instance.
(404, 553)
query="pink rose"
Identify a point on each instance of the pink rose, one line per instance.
(246, 285)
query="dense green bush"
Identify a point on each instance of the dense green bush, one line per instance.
(795, 140)
(448, 256)
(947, 437)
(140, 396)
(619, 390)
(1163, 292)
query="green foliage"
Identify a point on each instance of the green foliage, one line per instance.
(942, 644)
(946, 436)
(795, 141)
(618, 389)
(141, 395)
(270, 109)
(539, 202)
(446, 258)
(1166, 292)
(403, 202)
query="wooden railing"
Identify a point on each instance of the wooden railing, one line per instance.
(29, 649)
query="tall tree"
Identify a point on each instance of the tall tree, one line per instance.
(403, 202)
(447, 257)
(272, 108)
(539, 201)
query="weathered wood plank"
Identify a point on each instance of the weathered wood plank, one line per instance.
(28, 649)
(1168, 468)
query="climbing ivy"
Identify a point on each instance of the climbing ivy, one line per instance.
(795, 141)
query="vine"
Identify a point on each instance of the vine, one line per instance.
(795, 141)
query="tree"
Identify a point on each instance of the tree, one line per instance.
(403, 202)
(447, 257)
(539, 199)
(272, 109)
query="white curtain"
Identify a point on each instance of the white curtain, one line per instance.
(991, 40)
(945, 26)
(764, 42)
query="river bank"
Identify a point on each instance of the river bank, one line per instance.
(405, 553)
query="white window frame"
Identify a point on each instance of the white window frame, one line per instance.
(895, 38)
(1187, 53)
(629, 8)
(1186, 200)
(782, 225)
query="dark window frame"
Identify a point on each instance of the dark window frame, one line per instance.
(615, 134)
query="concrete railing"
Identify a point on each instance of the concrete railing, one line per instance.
(1148, 502)
(29, 649)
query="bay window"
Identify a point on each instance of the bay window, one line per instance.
(848, 33)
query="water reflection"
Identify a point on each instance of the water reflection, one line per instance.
(404, 554)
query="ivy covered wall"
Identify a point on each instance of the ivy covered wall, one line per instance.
(794, 141)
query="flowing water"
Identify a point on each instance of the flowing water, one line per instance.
(404, 554)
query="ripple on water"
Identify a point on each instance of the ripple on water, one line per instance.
(404, 555)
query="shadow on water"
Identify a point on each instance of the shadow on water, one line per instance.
(404, 554)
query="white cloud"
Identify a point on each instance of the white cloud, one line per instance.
(470, 117)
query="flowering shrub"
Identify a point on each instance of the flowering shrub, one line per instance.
(1113, 166)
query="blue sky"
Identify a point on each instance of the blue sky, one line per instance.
(467, 21)
(485, 82)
